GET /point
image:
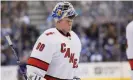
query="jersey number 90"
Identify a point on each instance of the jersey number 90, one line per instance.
(40, 46)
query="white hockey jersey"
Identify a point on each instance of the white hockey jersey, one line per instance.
(129, 36)
(55, 55)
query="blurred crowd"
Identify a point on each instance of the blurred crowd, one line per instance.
(100, 27)
(15, 22)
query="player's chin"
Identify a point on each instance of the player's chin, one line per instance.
(70, 27)
(69, 30)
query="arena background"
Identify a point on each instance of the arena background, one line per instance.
(100, 26)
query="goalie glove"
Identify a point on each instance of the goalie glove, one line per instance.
(76, 78)
(33, 76)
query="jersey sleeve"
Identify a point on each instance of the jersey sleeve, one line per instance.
(41, 55)
(129, 36)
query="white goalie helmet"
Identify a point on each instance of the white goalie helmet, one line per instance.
(63, 9)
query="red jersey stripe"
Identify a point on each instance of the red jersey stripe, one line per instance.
(38, 63)
(131, 63)
(48, 77)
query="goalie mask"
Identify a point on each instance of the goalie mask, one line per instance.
(63, 9)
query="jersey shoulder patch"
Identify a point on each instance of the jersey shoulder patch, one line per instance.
(49, 35)
(49, 32)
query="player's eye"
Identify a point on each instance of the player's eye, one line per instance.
(69, 21)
